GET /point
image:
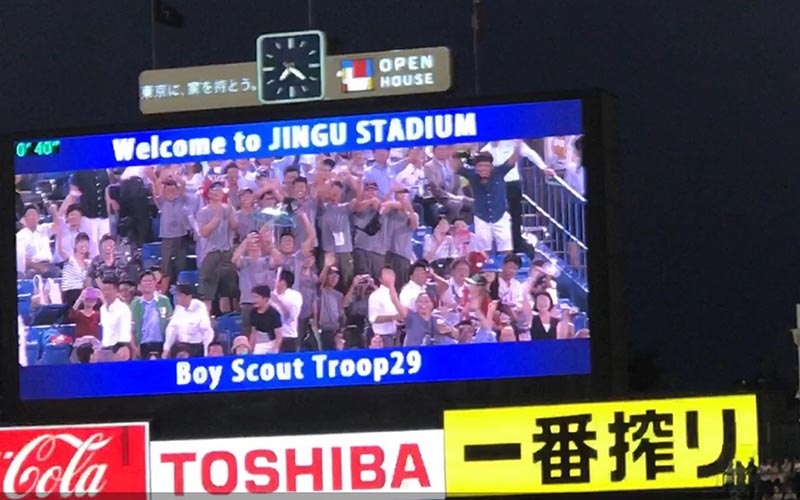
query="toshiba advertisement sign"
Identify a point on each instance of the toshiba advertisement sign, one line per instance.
(79, 461)
(408, 462)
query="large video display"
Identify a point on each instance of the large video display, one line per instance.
(408, 247)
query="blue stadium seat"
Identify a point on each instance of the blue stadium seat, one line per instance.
(417, 248)
(24, 309)
(526, 261)
(38, 333)
(421, 231)
(494, 263)
(33, 349)
(25, 288)
(192, 277)
(156, 227)
(580, 321)
(151, 254)
(228, 327)
(55, 354)
(191, 262)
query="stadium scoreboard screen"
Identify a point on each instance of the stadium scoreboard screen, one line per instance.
(81, 250)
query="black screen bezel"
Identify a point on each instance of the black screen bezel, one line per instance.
(336, 409)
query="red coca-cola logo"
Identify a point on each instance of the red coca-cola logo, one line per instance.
(80, 462)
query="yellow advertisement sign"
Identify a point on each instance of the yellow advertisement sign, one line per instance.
(593, 447)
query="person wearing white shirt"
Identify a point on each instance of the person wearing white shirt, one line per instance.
(116, 319)
(382, 310)
(501, 151)
(418, 277)
(288, 302)
(34, 255)
(190, 324)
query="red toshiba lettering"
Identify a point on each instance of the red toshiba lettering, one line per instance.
(336, 468)
(358, 467)
(232, 475)
(418, 470)
(250, 465)
(293, 470)
(178, 460)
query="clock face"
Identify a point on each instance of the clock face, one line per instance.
(291, 67)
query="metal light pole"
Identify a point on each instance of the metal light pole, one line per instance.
(796, 336)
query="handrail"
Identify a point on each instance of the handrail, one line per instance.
(554, 221)
(569, 188)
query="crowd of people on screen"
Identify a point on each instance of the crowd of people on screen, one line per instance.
(366, 249)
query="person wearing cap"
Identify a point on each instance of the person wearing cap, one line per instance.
(331, 308)
(217, 224)
(240, 346)
(266, 325)
(401, 222)
(335, 234)
(369, 240)
(254, 267)
(151, 313)
(479, 298)
(492, 219)
(170, 198)
(382, 308)
(190, 324)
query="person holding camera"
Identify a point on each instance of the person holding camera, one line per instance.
(369, 241)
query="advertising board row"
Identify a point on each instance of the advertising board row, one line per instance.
(591, 447)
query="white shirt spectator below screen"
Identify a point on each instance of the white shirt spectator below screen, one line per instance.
(409, 294)
(190, 325)
(380, 304)
(116, 321)
(510, 293)
(293, 301)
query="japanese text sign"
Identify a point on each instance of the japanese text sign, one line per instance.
(593, 447)
(82, 461)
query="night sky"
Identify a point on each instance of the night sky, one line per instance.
(708, 103)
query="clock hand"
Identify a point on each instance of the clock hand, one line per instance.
(296, 72)
(284, 75)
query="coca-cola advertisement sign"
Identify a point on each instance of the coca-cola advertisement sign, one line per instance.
(82, 461)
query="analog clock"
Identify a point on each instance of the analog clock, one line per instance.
(291, 67)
